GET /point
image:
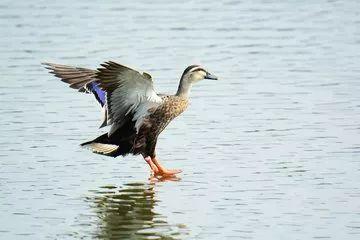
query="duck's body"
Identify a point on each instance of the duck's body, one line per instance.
(127, 140)
(136, 114)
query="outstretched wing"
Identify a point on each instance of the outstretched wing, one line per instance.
(75, 76)
(82, 79)
(130, 94)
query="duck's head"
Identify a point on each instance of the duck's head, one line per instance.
(196, 73)
(191, 75)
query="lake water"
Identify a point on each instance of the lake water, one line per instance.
(271, 151)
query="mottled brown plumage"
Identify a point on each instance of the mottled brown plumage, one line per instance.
(136, 114)
(156, 122)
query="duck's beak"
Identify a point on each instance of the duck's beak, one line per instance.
(210, 76)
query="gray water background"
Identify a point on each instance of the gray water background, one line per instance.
(271, 151)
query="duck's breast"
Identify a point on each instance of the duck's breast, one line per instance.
(172, 107)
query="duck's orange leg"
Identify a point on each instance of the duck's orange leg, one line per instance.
(151, 164)
(162, 170)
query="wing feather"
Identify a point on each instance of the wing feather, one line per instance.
(82, 79)
(130, 94)
(76, 77)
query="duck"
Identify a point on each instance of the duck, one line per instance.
(134, 112)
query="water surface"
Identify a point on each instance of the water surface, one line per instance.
(269, 152)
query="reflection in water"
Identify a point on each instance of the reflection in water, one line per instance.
(128, 213)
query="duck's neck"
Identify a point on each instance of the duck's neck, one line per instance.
(183, 89)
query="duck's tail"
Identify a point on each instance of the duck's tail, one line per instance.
(107, 146)
(102, 145)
